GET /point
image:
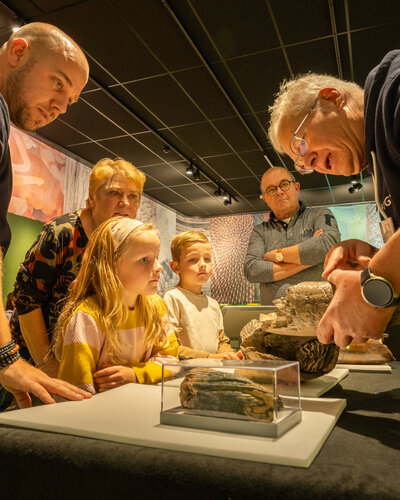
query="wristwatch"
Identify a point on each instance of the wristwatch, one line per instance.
(279, 255)
(377, 291)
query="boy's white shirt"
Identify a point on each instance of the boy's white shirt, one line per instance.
(197, 319)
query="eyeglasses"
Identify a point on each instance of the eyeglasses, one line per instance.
(299, 146)
(272, 190)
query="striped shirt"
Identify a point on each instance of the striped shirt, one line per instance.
(86, 347)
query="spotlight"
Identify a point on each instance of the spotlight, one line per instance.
(228, 200)
(189, 169)
(226, 197)
(166, 149)
(355, 187)
(355, 184)
(354, 179)
(218, 192)
(196, 175)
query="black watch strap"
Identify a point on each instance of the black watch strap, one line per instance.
(377, 291)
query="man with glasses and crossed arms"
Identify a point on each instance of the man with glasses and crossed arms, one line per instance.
(290, 246)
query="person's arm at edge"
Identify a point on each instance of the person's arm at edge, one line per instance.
(20, 378)
(284, 270)
(224, 344)
(256, 270)
(313, 250)
(38, 344)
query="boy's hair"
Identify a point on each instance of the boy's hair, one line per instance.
(98, 276)
(107, 168)
(185, 240)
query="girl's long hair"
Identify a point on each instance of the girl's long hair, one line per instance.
(98, 277)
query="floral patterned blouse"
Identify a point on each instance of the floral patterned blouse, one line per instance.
(49, 268)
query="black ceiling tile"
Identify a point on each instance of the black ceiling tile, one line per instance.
(318, 197)
(88, 121)
(91, 152)
(222, 72)
(49, 5)
(129, 149)
(342, 195)
(259, 76)
(236, 134)
(338, 180)
(379, 41)
(188, 20)
(256, 161)
(189, 209)
(310, 181)
(168, 175)
(26, 10)
(165, 195)
(150, 183)
(258, 123)
(317, 56)
(94, 24)
(156, 144)
(258, 204)
(123, 95)
(89, 87)
(115, 112)
(203, 139)
(60, 133)
(227, 166)
(234, 37)
(203, 89)
(213, 205)
(192, 192)
(364, 13)
(246, 186)
(242, 207)
(298, 21)
(166, 100)
(278, 160)
(162, 34)
(172, 136)
(99, 76)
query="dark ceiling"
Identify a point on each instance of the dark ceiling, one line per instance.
(198, 76)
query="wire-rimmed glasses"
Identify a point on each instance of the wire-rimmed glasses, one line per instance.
(299, 146)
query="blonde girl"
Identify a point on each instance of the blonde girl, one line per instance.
(113, 329)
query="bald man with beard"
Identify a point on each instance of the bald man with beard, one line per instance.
(42, 72)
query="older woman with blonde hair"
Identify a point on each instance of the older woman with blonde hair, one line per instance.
(53, 261)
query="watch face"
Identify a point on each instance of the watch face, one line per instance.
(279, 256)
(377, 292)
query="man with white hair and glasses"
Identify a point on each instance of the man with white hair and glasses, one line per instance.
(332, 126)
(291, 245)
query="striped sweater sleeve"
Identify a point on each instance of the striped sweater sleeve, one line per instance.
(81, 351)
(150, 372)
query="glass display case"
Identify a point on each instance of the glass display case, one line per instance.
(260, 398)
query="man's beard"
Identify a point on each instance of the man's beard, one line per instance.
(13, 94)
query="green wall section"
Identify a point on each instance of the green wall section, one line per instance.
(24, 232)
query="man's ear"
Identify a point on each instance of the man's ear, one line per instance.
(297, 186)
(334, 96)
(18, 51)
(174, 266)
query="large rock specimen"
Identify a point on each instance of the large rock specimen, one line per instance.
(214, 390)
(301, 310)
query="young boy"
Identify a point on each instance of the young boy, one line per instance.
(197, 318)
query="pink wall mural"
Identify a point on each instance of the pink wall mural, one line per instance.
(39, 178)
